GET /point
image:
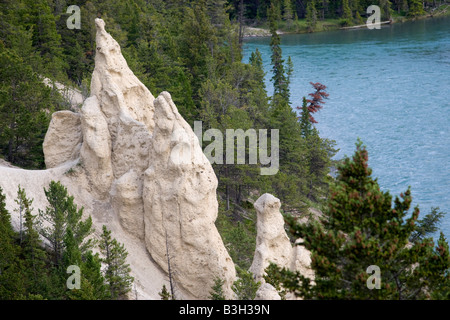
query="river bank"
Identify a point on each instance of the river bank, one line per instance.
(299, 26)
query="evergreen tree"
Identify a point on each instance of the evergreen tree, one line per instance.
(12, 284)
(403, 6)
(217, 293)
(32, 249)
(256, 61)
(359, 20)
(245, 286)
(386, 7)
(289, 70)
(415, 8)
(428, 225)
(279, 75)
(319, 151)
(164, 294)
(318, 156)
(23, 119)
(64, 217)
(117, 270)
(46, 39)
(306, 127)
(93, 285)
(346, 11)
(361, 228)
(198, 43)
(275, 278)
(91, 271)
(288, 13)
(311, 16)
(258, 102)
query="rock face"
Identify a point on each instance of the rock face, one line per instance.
(181, 205)
(267, 292)
(62, 142)
(301, 260)
(273, 245)
(272, 242)
(139, 164)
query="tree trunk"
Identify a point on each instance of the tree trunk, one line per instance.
(169, 269)
(10, 149)
(228, 196)
(241, 22)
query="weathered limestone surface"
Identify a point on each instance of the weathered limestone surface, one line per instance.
(181, 205)
(273, 245)
(272, 242)
(267, 292)
(63, 140)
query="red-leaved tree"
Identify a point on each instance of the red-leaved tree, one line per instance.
(316, 101)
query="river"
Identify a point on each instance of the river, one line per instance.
(390, 87)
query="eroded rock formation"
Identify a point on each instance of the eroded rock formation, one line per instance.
(143, 167)
(272, 242)
(273, 245)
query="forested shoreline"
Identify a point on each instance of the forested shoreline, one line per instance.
(322, 15)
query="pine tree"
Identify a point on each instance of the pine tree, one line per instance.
(258, 102)
(403, 6)
(289, 70)
(288, 13)
(117, 270)
(346, 11)
(72, 253)
(318, 156)
(256, 61)
(164, 294)
(279, 75)
(315, 104)
(32, 249)
(12, 284)
(359, 229)
(319, 151)
(91, 271)
(428, 225)
(23, 120)
(311, 16)
(93, 285)
(217, 290)
(305, 120)
(46, 39)
(245, 286)
(386, 9)
(415, 8)
(63, 216)
(198, 43)
(359, 20)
